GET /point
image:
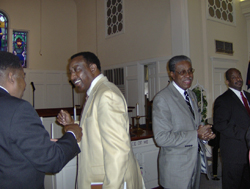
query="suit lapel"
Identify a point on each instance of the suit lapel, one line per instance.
(243, 106)
(195, 107)
(91, 97)
(247, 95)
(180, 101)
(237, 100)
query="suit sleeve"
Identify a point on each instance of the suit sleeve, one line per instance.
(248, 138)
(223, 121)
(163, 126)
(33, 141)
(113, 123)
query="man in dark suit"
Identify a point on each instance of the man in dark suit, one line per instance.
(25, 147)
(178, 130)
(232, 120)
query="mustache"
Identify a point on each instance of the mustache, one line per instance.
(239, 82)
(188, 79)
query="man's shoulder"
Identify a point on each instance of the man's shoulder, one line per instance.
(11, 99)
(225, 97)
(107, 87)
(166, 91)
(227, 93)
(164, 94)
(12, 104)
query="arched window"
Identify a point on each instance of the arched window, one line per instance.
(3, 32)
(20, 46)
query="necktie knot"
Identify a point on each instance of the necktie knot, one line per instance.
(186, 96)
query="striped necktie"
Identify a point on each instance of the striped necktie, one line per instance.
(188, 103)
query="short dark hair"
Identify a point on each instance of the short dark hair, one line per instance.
(176, 59)
(9, 60)
(89, 57)
(228, 73)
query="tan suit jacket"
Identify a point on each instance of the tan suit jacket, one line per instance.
(107, 154)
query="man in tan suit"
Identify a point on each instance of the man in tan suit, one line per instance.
(107, 154)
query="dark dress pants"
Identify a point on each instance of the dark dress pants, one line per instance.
(235, 176)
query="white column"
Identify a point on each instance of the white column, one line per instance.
(179, 27)
(245, 7)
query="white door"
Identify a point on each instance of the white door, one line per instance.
(219, 82)
(151, 81)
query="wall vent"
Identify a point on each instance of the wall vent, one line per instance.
(224, 47)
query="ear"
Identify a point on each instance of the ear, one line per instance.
(93, 68)
(227, 82)
(172, 74)
(11, 77)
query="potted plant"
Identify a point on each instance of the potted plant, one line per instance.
(202, 102)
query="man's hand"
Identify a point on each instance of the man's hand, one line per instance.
(205, 132)
(75, 129)
(64, 118)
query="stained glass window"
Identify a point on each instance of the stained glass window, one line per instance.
(20, 46)
(3, 32)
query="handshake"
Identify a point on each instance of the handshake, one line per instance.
(66, 120)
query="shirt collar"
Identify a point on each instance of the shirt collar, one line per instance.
(235, 91)
(181, 91)
(93, 83)
(4, 89)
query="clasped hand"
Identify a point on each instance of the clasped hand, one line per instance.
(205, 132)
(66, 120)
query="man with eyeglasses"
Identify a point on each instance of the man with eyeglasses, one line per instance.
(178, 130)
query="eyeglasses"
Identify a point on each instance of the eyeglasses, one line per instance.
(184, 72)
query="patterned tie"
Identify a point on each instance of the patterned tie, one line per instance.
(188, 103)
(245, 103)
(86, 98)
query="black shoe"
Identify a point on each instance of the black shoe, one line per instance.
(215, 178)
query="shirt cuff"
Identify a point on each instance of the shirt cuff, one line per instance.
(72, 133)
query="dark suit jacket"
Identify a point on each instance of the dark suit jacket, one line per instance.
(248, 140)
(25, 148)
(232, 121)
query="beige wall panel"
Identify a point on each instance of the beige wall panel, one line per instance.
(86, 25)
(203, 33)
(131, 71)
(53, 94)
(236, 34)
(147, 31)
(52, 41)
